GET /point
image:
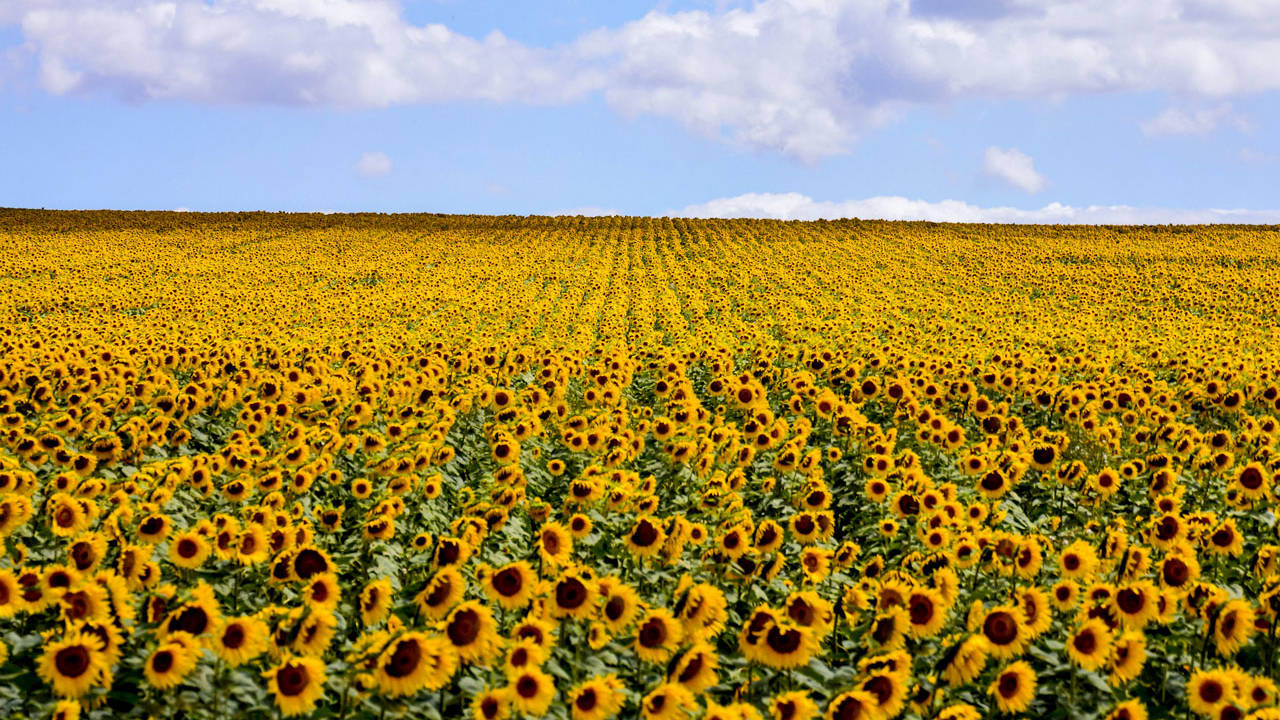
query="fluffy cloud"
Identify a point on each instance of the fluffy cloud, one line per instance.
(1179, 121)
(803, 77)
(795, 206)
(1013, 167)
(373, 164)
(345, 53)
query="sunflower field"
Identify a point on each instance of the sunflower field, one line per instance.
(426, 466)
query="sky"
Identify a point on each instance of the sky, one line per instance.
(1093, 111)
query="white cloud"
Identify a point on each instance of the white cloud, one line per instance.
(373, 164)
(1013, 167)
(345, 53)
(795, 206)
(802, 77)
(1180, 121)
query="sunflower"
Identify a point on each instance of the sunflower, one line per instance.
(927, 611)
(526, 653)
(702, 611)
(1003, 627)
(667, 702)
(314, 633)
(66, 710)
(785, 645)
(491, 705)
(169, 665)
(795, 705)
(536, 630)
(323, 592)
(74, 664)
(1135, 603)
(87, 550)
(296, 684)
(598, 635)
(531, 691)
(198, 616)
(889, 690)
(511, 585)
(1128, 654)
(67, 516)
(854, 705)
(252, 546)
(555, 544)
(188, 549)
(1014, 687)
(808, 609)
(1207, 690)
(696, 668)
(154, 529)
(106, 631)
(959, 711)
(1233, 627)
(1090, 645)
(889, 628)
(1179, 570)
(473, 633)
(573, 595)
(1128, 710)
(1078, 561)
(405, 665)
(1065, 594)
(1226, 539)
(441, 593)
(86, 602)
(375, 601)
(657, 635)
(965, 660)
(239, 640)
(597, 699)
(646, 537)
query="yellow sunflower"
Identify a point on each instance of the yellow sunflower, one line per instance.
(531, 691)
(599, 698)
(473, 633)
(169, 665)
(296, 684)
(241, 639)
(1014, 687)
(657, 635)
(74, 664)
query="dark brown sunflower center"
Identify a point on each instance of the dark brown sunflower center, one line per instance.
(292, 680)
(464, 628)
(192, 619)
(1085, 643)
(586, 700)
(1009, 685)
(72, 662)
(691, 668)
(784, 642)
(921, 609)
(527, 686)
(309, 562)
(508, 582)
(188, 548)
(645, 534)
(405, 659)
(570, 594)
(1000, 628)
(162, 662)
(233, 637)
(652, 634)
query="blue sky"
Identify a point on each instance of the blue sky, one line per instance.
(782, 108)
